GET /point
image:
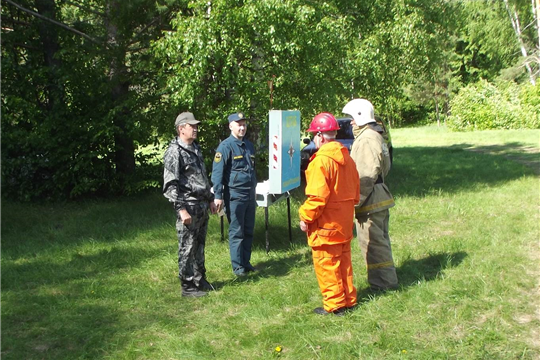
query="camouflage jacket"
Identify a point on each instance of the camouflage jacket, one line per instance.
(185, 181)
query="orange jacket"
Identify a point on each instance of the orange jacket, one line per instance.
(332, 190)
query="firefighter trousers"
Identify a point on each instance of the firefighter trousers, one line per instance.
(372, 232)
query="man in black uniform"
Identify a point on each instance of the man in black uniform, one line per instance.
(233, 176)
(186, 185)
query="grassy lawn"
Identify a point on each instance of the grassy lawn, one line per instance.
(97, 279)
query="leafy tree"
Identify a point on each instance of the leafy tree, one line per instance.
(77, 91)
(221, 56)
(488, 45)
(89, 83)
(401, 56)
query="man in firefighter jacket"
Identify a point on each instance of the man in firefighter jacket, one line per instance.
(372, 157)
(327, 215)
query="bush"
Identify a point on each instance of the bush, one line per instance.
(505, 105)
(530, 102)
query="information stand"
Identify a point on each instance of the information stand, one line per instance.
(283, 164)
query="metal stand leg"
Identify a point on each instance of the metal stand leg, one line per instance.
(289, 216)
(266, 227)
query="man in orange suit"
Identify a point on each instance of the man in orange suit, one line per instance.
(327, 215)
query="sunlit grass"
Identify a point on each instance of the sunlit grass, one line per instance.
(97, 280)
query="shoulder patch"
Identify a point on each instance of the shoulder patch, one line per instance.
(218, 157)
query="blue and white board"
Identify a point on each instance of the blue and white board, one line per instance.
(284, 150)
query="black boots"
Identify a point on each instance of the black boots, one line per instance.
(190, 290)
(205, 285)
(338, 312)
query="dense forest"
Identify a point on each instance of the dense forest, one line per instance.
(90, 88)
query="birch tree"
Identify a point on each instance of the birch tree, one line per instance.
(530, 54)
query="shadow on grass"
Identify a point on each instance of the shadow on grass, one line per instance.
(30, 275)
(414, 271)
(268, 268)
(277, 234)
(29, 229)
(526, 155)
(67, 309)
(278, 237)
(53, 334)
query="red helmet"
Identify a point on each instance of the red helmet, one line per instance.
(323, 122)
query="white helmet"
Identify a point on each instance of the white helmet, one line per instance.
(361, 111)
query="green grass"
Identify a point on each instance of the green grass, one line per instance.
(97, 280)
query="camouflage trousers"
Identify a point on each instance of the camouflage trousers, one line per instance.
(372, 232)
(191, 242)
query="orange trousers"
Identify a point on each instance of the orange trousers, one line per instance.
(334, 272)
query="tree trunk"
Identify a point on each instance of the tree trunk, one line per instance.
(536, 16)
(258, 76)
(437, 111)
(514, 19)
(124, 152)
(49, 39)
(124, 155)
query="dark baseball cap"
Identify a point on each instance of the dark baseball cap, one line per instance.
(236, 117)
(186, 118)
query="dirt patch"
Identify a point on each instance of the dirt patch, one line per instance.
(525, 155)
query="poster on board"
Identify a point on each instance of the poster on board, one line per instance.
(284, 150)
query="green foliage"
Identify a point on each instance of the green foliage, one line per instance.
(400, 61)
(74, 111)
(55, 133)
(486, 43)
(529, 98)
(504, 105)
(220, 58)
(81, 100)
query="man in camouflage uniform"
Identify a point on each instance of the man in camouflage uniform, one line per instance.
(186, 185)
(372, 157)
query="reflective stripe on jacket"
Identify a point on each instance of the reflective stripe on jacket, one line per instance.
(332, 190)
(372, 158)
